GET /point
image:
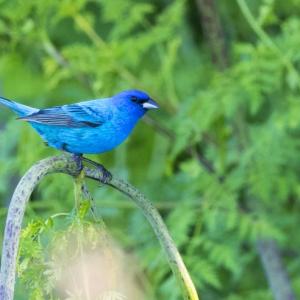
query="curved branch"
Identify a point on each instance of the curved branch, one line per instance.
(65, 164)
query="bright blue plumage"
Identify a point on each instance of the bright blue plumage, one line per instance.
(94, 126)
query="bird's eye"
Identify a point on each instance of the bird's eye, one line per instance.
(134, 99)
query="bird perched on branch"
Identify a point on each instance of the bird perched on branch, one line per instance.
(89, 127)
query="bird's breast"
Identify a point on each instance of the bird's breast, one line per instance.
(88, 139)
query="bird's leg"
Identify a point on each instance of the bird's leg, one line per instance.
(78, 160)
(106, 174)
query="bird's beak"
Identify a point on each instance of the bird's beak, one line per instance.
(150, 104)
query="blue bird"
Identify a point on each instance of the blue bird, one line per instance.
(88, 127)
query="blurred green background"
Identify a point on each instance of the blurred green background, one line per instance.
(220, 159)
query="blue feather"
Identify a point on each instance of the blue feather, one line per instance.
(94, 126)
(18, 108)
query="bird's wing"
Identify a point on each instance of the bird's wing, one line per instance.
(74, 115)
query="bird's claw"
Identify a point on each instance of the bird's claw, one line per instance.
(106, 175)
(79, 164)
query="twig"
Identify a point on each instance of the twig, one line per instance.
(263, 36)
(97, 40)
(65, 164)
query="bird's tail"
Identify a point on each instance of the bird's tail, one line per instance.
(20, 109)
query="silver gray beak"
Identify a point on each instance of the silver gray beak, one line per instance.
(150, 104)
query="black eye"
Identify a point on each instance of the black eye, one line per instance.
(134, 99)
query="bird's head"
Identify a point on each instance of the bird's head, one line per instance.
(136, 101)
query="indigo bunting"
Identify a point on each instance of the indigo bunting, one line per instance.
(91, 127)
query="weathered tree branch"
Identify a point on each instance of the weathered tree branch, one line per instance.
(276, 273)
(65, 164)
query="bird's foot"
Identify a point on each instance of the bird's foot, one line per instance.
(78, 160)
(106, 175)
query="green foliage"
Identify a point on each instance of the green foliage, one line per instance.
(49, 247)
(244, 121)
